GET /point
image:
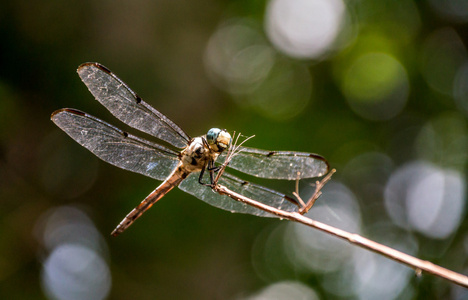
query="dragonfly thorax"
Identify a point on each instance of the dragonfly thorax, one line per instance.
(196, 155)
(218, 139)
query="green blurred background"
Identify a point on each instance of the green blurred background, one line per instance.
(380, 88)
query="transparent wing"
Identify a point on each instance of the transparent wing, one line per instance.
(278, 164)
(256, 192)
(127, 106)
(115, 146)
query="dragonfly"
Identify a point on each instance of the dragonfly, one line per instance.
(184, 160)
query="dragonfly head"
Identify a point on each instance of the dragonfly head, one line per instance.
(218, 139)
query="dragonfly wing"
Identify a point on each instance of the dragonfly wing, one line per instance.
(247, 189)
(127, 106)
(115, 146)
(279, 164)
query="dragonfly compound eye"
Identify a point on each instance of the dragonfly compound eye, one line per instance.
(219, 140)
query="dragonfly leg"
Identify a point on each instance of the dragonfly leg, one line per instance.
(212, 169)
(200, 178)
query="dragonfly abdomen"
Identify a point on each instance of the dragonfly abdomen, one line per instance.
(172, 181)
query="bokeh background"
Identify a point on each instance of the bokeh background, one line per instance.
(380, 88)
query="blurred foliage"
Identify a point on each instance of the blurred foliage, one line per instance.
(384, 99)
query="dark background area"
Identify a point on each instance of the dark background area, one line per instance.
(379, 88)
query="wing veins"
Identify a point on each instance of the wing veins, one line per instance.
(104, 140)
(287, 165)
(117, 96)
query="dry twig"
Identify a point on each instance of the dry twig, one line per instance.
(417, 264)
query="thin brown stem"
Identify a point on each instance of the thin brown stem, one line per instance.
(417, 264)
(296, 192)
(317, 193)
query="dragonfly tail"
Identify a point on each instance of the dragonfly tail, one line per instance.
(152, 198)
